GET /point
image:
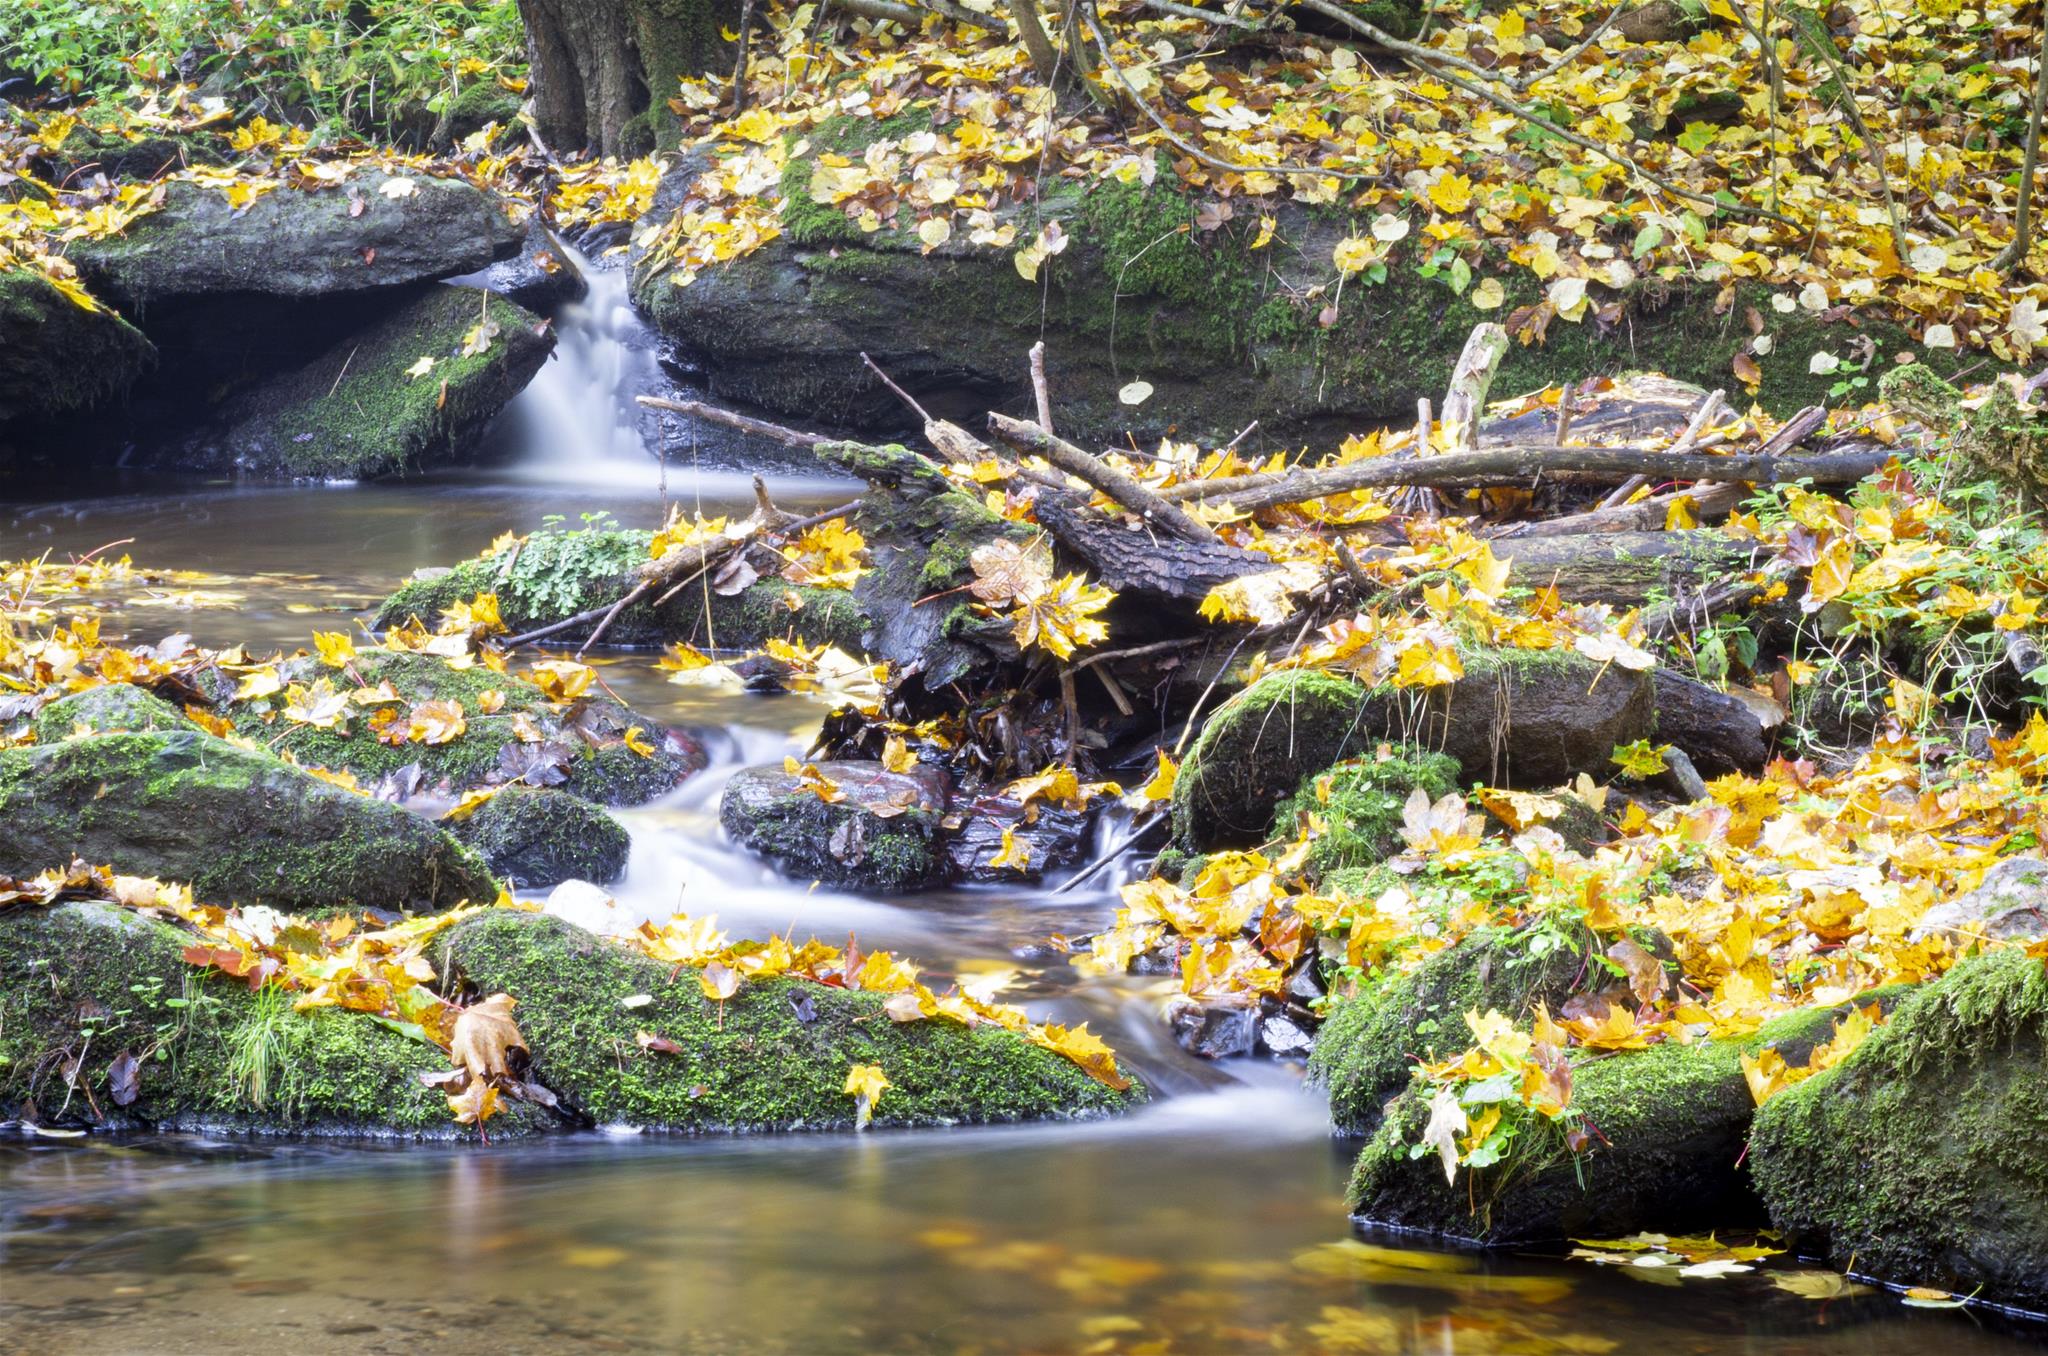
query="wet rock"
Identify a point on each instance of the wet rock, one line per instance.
(2009, 905)
(1670, 1122)
(772, 1057)
(883, 833)
(1283, 1037)
(56, 356)
(581, 750)
(1918, 1156)
(1213, 1030)
(1051, 837)
(358, 412)
(80, 965)
(1526, 718)
(1258, 747)
(298, 244)
(537, 837)
(541, 277)
(237, 826)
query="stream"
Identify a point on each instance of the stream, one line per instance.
(1211, 1221)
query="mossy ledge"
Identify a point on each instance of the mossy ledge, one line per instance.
(773, 1057)
(1360, 803)
(89, 982)
(1918, 1158)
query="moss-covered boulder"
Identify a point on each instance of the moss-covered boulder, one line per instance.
(1665, 1130)
(1533, 718)
(1216, 327)
(1919, 1156)
(511, 732)
(55, 355)
(1259, 747)
(552, 575)
(104, 1024)
(1371, 1042)
(360, 411)
(238, 826)
(879, 832)
(772, 1057)
(1355, 807)
(115, 708)
(537, 837)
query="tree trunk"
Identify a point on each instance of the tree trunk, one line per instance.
(599, 65)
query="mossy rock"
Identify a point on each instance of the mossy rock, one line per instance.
(1918, 1158)
(56, 356)
(1371, 1042)
(82, 967)
(358, 412)
(1257, 748)
(1360, 804)
(882, 835)
(553, 575)
(239, 827)
(1214, 326)
(584, 746)
(772, 1057)
(115, 708)
(1533, 718)
(537, 837)
(1666, 1125)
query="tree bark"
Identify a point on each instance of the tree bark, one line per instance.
(598, 65)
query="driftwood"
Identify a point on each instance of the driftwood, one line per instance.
(760, 428)
(1030, 438)
(1709, 503)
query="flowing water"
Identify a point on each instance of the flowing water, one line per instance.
(1209, 1222)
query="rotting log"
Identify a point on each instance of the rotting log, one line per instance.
(1143, 562)
(1626, 569)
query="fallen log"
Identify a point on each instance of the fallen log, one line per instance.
(1710, 502)
(1515, 465)
(1626, 569)
(1143, 562)
(1030, 438)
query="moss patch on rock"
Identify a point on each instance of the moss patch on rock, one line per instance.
(553, 575)
(588, 749)
(882, 835)
(1360, 804)
(237, 826)
(1919, 1155)
(536, 837)
(1259, 747)
(116, 708)
(360, 412)
(85, 983)
(773, 1057)
(56, 356)
(1666, 1125)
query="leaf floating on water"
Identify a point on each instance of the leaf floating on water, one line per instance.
(1926, 1297)
(1817, 1285)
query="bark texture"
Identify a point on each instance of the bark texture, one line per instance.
(603, 70)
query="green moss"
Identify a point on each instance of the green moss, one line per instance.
(117, 708)
(773, 1057)
(1919, 1155)
(607, 772)
(539, 837)
(674, 39)
(1361, 802)
(56, 356)
(806, 222)
(1371, 1042)
(1664, 1126)
(237, 826)
(1258, 747)
(98, 980)
(841, 843)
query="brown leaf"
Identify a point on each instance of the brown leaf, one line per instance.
(659, 1045)
(1646, 978)
(124, 1078)
(485, 1034)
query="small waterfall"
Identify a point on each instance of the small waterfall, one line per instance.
(577, 416)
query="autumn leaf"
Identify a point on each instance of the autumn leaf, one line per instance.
(896, 755)
(561, 680)
(485, 1035)
(1013, 855)
(436, 722)
(1005, 571)
(865, 1083)
(636, 739)
(1062, 618)
(336, 649)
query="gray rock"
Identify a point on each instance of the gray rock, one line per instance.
(537, 836)
(540, 277)
(56, 356)
(883, 833)
(116, 708)
(1213, 1030)
(1053, 838)
(1281, 1035)
(2009, 905)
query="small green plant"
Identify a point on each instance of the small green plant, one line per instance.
(256, 1046)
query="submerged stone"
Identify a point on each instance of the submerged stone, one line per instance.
(774, 1056)
(89, 988)
(2009, 905)
(538, 837)
(237, 826)
(881, 833)
(1919, 1156)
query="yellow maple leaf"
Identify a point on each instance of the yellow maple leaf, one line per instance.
(1014, 855)
(1452, 193)
(865, 1083)
(335, 647)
